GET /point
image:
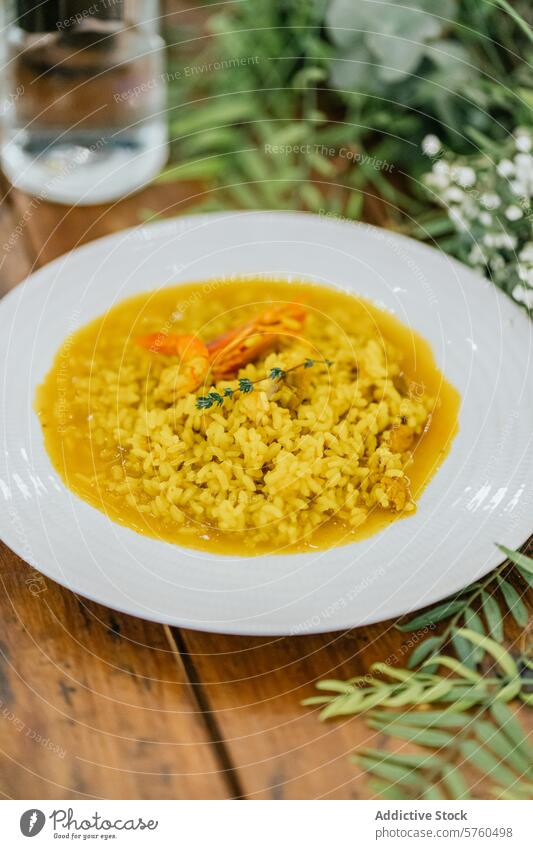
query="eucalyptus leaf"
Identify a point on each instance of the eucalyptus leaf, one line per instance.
(386, 769)
(422, 736)
(491, 736)
(522, 560)
(493, 616)
(507, 720)
(499, 654)
(422, 650)
(455, 783)
(485, 762)
(515, 604)
(423, 718)
(434, 615)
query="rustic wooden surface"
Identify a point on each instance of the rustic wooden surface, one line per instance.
(96, 704)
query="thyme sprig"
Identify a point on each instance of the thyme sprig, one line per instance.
(245, 385)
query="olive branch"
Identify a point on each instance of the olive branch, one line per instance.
(455, 709)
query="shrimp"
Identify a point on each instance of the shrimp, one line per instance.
(194, 357)
(226, 354)
(244, 344)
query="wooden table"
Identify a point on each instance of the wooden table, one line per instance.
(96, 704)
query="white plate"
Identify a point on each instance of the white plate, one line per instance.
(481, 494)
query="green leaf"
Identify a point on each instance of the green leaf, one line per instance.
(201, 169)
(455, 665)
(447, 718)
(225, 109)
(385, 769)
(485, 762)
(392, 792)
(421, 652)
(521, 560)
(493, 616)
(499, 654)
(334, 686)
(432, 792)
(409, 761)
(492, 737)
(454, 782)
(422, 736)
(436, 614)
(465, 651)
(515, 604)
(473, 622)
(508, 722)
(245, 385)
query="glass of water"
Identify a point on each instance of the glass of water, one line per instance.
(83, 112)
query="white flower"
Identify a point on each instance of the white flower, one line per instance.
(523, 140)
(507, 241)
(513, 213)
(527, 276)
(505, 168)
(526, 254)
(464, 176)
(523, 295)
(431, 145)
(490, 200)
(476, 256)
(497, 263)
(485, 219)
(457, 218)
(454, 195)
(524, 174)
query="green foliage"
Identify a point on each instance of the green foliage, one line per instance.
(480, 607)
(454, 709)
(378, 49)
(315, 78)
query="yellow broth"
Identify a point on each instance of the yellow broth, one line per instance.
(226, 302)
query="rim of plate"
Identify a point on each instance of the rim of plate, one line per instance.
(186, 224)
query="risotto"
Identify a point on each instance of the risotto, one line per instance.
(246, 416)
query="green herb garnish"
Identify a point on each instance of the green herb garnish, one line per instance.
(245, 385)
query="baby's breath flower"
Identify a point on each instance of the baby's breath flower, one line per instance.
(465, 176)
(523, 140)
(505, 168)
(431, 145)
(490, 200)
(498, 244)
(526, 254)
(524, 295)
(454, 194)
(513, 213)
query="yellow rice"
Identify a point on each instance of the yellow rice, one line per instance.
(270, 467)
